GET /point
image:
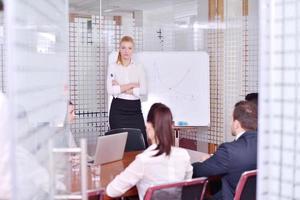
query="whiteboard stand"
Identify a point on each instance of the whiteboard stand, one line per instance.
(177, 130)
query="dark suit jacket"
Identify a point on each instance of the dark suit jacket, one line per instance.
(230, 161)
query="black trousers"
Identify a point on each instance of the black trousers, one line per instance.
(127, 114)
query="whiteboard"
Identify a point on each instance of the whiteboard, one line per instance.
(179, 80)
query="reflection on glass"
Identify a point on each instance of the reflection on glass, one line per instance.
(37, 46)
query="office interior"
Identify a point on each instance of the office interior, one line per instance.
(57, 51)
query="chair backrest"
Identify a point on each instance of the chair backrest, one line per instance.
(96, 194)
(192, 189)
(135, 140)
(246, 188)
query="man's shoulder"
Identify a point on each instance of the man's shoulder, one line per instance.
(226, 145)
(247, 140)
(247, 136)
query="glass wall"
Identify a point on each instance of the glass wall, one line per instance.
(279, 156)
(226, 30)
(34, 105)
(57, 53)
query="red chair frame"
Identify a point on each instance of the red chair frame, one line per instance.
(96, 194)
(242, 182)
(190, 182)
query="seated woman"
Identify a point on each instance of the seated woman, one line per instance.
(160, 163)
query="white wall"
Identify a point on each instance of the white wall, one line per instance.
(155, 21)
(183, 26)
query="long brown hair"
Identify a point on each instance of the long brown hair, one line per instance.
(123, 39)
(160, 117)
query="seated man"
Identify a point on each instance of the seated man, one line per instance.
(233, 158)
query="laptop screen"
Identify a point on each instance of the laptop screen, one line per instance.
(110, 148)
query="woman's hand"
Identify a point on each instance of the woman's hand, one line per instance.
(130, 85)
(114, 82)
(126, 88)
(135, 85)
(129, 91)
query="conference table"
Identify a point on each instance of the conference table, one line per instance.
(110, 170)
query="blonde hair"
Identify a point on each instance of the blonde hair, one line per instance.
(123, 39)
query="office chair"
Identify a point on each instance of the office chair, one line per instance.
(246, 188)
(96, 194)
(192, 189)
(135, 140)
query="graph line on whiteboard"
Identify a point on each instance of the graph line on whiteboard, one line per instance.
(172, 91)
(175, 85)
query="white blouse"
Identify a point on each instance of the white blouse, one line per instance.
(146, 171)
(133, 73)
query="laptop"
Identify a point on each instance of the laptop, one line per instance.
(110, 148)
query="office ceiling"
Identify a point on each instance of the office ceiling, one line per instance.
(84, 6)
(93, 6)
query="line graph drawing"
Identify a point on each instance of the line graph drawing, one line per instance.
(181, 81)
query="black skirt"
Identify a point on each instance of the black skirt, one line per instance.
(127, 114)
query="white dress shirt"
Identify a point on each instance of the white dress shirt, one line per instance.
(146, 171)
(239, 135)
(133, 73)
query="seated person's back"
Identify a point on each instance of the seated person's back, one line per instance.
(162, 169)
(242, 156)
(160, 163)
(233, 158)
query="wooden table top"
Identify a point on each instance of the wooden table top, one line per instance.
(108, 172)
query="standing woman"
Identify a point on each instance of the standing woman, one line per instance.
(126, 82)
